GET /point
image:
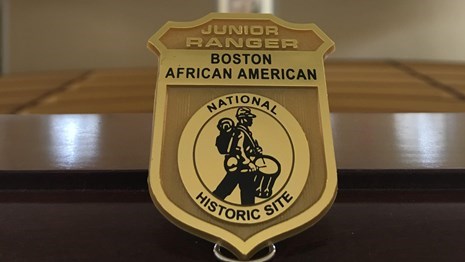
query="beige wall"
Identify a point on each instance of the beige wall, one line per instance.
(86, 34)
(398, 29)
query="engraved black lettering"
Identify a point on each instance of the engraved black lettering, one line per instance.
(256, 100)
(221, 209)
(201, 197)
(206, 203)
(245, 99)
(256, 59)
(273, 110)
(236, 59)
(254, 73)
(212, 206)
(221, 103)
(311, 74)
(206, 73)
(211, 107)
(226, 58)
(267, 59)
(216, 74)
(274, 206)
(301, 75)
(215, 58)
(242, 74)
(230, 214)
(241, 215)
(275, 73)
(265, 72)
(227, 73)
(266, 105)
(179, 71)
(278, 204)
(246, 58)
(269, 210)
(278, 201)
(287, 197)
(256, 214)
(290, 73)
(170, 73)
(190, 72)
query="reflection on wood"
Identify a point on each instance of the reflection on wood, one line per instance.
(395, 151)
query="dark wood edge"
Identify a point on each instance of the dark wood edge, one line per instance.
(397, 186)
(74, 180)
(402, 179)
(355, 179)
(406, 196)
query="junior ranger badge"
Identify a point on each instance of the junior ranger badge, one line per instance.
(242, 151)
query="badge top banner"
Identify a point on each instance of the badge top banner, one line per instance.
(242, 151)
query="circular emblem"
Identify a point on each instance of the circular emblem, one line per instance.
(243, 158)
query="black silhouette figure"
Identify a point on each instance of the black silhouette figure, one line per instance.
(244, 162)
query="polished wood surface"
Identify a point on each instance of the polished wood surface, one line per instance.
(353, 86)
(410, 141)
(413, 150)
(75, 142)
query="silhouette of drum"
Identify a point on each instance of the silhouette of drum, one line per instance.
(265, 177)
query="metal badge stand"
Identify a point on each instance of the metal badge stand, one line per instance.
(223, 258)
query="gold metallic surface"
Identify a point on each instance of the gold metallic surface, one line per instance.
(266, 76)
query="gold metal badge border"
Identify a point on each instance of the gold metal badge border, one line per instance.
(184, 220)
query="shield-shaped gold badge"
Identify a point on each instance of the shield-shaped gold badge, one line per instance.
(242, 151)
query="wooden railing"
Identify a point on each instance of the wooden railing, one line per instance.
(382, 86)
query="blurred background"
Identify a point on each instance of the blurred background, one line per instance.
(84, 56)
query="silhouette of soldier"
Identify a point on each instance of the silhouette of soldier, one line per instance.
(239, 161)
